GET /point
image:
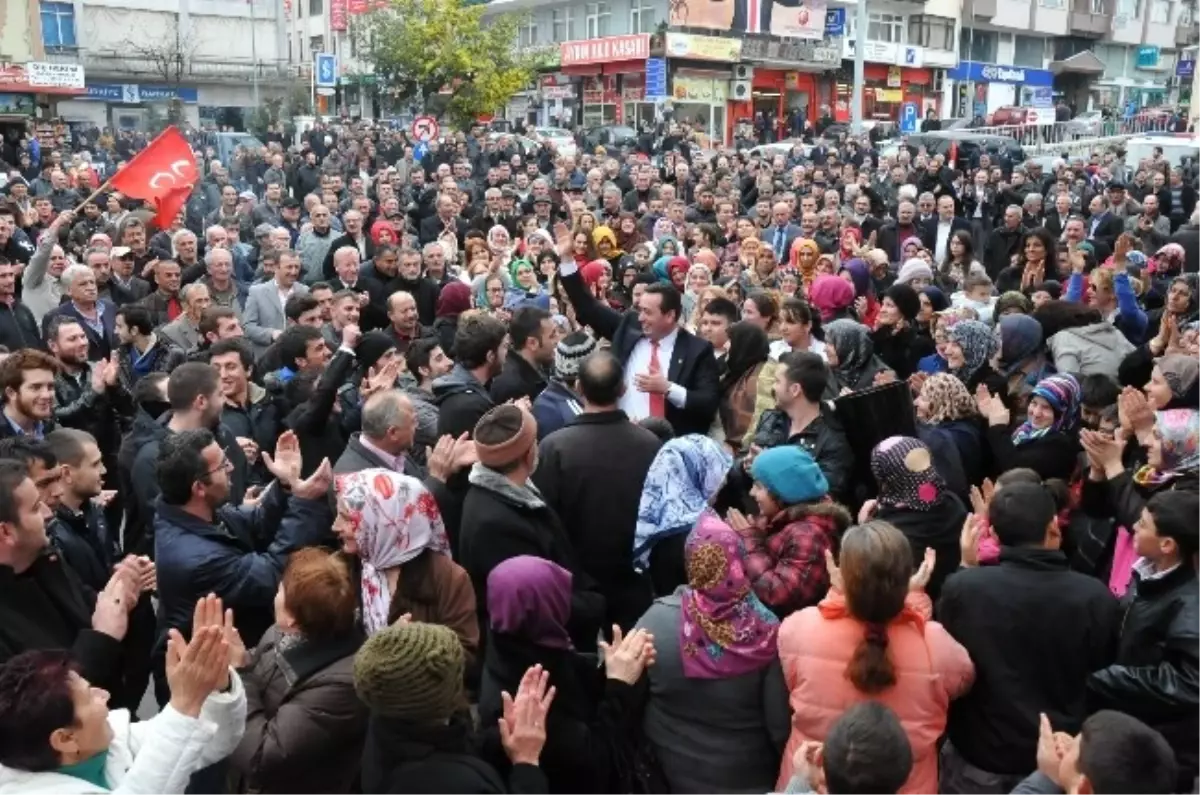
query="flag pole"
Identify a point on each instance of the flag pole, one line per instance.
(95, 193)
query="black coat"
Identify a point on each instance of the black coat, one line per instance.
(1035, 630)
(901, 351)
(1156, 675)
(929, 231)
(1108, 230)
(589, 720)
(402, 757)
(939, 527)
(100, 344)
(461, 401)
(496, 527)
(85, 543)
(518, 378)
(18, 327)
(1054, 455)
(1002, 244)
(591, 473)
(1188, 236)
(693, 364)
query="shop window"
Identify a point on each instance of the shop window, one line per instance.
(641, 17)
(597, 20)
(527, 34)
(562, 24)
(936, 33)
(58, 25)
(978, 45)
(1029, 51)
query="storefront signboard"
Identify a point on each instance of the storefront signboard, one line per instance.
(634, 47)
(704, 48)
(995, 73)
(704, 90)
(823, 53)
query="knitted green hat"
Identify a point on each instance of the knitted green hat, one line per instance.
(411, 671)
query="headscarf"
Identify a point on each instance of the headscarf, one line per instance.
(627, 242)
(667, 239)
(505, 252)
(947, 399)
(379, 228)
(903, 468)
(395, 519)
(530, 598)
(593, 271)
(1062, 393)
(852, 343)
(708, 258)
(1169, 259)
(910, 241)
(804, 244)
(1181, 372)
(852, 231)
(830, 295)
(914, 269)
(937, 298)
(601, 233)
(977, 343)
(1013, 299)
(725, 630)
(1020, 338)
(453, 300)
(512, 271)
(1179, 433)
(684, 475)
(860, 275)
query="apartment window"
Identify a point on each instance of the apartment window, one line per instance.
(562, 24)
(936, 33)
(641, 17)
(527, 34)
(1098, 7)
(1186, 16)
(1029, 51)
(58, 24)
(885, 27)
(978, 45)
(596, 22)
(1160, 12)
(316, 7)
(1051, 3)
(1138, 7)
(316, 44)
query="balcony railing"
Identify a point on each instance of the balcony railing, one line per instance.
(1085, 23)
(124, 64)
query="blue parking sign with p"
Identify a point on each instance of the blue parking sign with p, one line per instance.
(909, 117)
(326, 70)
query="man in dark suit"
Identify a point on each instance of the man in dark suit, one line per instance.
(780, 235)
(1103, 226)
(1056, 221)
(669, 372)
(446, 220)
(936, 232)
(94, 314)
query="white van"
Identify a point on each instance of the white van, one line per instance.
(1175, 147)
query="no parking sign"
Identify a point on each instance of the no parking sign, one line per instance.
(425, 128)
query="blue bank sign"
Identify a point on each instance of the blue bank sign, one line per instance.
(995, 73)
(134, 94)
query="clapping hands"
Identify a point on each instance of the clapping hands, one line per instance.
(523, 722)
(627, 657)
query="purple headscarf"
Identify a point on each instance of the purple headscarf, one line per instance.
(860, 276)
(530, 598)
(724, 629)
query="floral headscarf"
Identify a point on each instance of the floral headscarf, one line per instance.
(725, 630)
(1178, 431)
(946, 399)
(903, 468)
(684, 475)
(395, 519)
(1169, 259)
(977, 343)
(499, 242)
(1181, 372)
(1062, 393)
(852, 343)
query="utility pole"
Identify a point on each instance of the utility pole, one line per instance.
(860, 68)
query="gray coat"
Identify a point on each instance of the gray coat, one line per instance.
(1089, 350)
(264, 313)
(712, 735)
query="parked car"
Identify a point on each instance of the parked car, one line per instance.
(784, 147)
(1089, 124)
(1020, 116)
(969, 145)
(526, 146)
(563, 140)
(609, 135)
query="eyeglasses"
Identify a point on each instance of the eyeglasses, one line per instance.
(225, 465)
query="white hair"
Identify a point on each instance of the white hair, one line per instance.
(72, 272)
(908, 192)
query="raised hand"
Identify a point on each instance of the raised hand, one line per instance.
(285, 465)
(317, 485)
(196, 669)
(523, 723)
(921, 576)
(968, 540)
(627, 657)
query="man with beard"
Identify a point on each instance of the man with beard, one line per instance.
(533, 337)
(408, 279)
(480, 346)
(140, 351)
(315, 243)
(27, 379)
(195, 398)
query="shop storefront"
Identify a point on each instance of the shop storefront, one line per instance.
(700, 99)
(602, 65)
(788, 74)
(885, 89)
(558, 97)
(24, 86)
(981, 89)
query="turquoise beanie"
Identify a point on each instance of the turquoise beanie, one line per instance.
(790, 474)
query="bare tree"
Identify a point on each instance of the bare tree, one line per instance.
(170, 59)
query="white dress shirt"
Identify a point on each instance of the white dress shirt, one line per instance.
(635, 402)
(941, 241)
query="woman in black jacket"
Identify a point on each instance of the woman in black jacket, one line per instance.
(896, 340)
(595, 709)
(1047, 441)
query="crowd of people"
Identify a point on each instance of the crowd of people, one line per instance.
(498, 470)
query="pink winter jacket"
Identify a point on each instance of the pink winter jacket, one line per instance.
(816, 644)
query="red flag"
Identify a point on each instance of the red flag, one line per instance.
(163, 174)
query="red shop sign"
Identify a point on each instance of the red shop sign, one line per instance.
(337, 14)
(634, 47)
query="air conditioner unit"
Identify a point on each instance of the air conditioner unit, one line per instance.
(743, 71)
(740, 90)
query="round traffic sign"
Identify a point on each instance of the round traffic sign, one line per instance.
(425, 128)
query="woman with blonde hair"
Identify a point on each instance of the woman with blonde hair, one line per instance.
(703, 298)
(871, 639)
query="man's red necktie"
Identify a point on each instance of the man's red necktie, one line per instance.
(658, 400)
